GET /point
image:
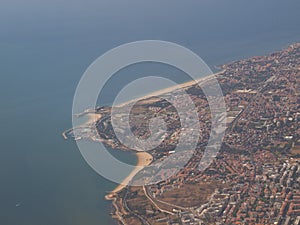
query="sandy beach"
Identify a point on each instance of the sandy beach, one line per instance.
(170, 89)
(144, 159)
(92, 118)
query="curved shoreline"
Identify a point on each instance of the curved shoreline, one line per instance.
(144, 159)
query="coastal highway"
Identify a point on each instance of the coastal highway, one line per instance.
(154, 203)
(144, 221)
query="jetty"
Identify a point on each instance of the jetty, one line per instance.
(66, 133)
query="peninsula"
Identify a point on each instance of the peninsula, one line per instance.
(255, 177)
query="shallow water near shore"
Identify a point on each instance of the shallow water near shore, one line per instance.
(45, 49)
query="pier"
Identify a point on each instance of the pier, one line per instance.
(66, 133)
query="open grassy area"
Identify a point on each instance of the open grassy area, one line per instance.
(190, 195)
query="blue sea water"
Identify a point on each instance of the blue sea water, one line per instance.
(45, 46)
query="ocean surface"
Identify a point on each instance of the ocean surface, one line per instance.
(45, 47)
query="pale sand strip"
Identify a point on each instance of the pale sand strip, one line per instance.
(170, 89)
(92, 118)
(144, 159)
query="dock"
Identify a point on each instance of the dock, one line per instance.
(66, 132)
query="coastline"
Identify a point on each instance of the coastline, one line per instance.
(144, 158)
(170, 89)
(118, 195)
(92, 118)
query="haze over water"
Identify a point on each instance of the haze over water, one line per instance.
(45, 46)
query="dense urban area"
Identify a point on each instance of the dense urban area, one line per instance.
(254, 179)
